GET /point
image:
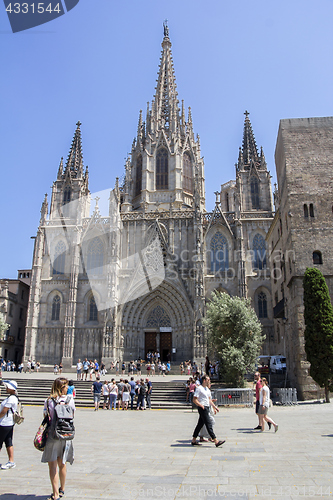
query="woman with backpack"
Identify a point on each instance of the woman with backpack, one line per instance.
(59, 446)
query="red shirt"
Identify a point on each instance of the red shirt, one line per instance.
(258, 387)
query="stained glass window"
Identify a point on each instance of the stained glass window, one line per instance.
(67, 195)
(157, 318)
(187, 174)
(262, 305)
(59, 258)
(219, 253)
(259, 250)
(92, 309)
(162, 169)
(138, 178)
(95, 256)
(56, 308)
(255, 192)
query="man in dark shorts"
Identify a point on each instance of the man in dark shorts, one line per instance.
(96, 390)
(258, 383)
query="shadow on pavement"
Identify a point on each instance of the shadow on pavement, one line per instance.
(13, 496)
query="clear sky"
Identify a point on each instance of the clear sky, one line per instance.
(98, 64)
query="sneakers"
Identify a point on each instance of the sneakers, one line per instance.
(257, 428)
(276, 428)
(8, 465)
(269, 425)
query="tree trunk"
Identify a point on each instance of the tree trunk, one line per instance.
(327, 394)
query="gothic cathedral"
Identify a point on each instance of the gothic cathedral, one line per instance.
(116, 286)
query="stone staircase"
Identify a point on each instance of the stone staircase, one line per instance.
(166, 395)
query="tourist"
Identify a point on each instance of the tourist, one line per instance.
(71, 388)
(132, 391)
(149, 390)
(120, 386)
(125, 396)
(203, 400)
(258, 383)
(106, 395)
(113, 392)
(86, 365)
(7, 409)
(264, 404)
(96, 390)
(79, 367)
(141, 396)
(152, 368)
(57, 451)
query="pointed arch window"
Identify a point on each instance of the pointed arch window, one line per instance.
(162, 172)
(138, 176)
(259, 252)
(56, 308)
(59, 260)
(67, 195)
(227, 208)
(187, 174)
(95, 256)
(255, 192)
(93, 313)
(262, 305)
(219, 253)
(306, 211)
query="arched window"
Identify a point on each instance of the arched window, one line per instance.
(59, 259)
(187, 174)
(259, 252)
(56, 308)
(138, 178)
(255, 192)
(67, 195)
(219, 253)
(92, 309)
(262, 305)
(311, 210)
(317, 258)
(227, 209)
(162, 169)
(306, 211)
(95, 257)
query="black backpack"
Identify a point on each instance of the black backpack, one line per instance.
(142, 390)
(62, 425)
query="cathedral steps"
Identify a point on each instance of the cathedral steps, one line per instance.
(166, 395)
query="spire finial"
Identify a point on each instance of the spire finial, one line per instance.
(78, 124)
(166, 28)
(246, 113)
(217, 201)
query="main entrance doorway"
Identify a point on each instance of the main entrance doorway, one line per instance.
(165, 346)
(150, 342)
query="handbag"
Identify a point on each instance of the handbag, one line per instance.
(42, 433)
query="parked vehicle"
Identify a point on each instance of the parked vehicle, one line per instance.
(278, 364)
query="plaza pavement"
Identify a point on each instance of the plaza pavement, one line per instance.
(147, 454)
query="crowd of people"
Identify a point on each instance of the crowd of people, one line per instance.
(10, 366)
(125, 394)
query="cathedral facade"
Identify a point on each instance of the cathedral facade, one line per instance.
(137, 279)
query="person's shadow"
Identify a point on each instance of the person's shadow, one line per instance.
(13, 496)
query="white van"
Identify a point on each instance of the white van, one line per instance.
(278, 364)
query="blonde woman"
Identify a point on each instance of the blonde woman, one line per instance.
(264, 398)
(57, 452)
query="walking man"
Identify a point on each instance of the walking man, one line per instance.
(96, 390)
(148, 393)
(203, 400)
(258, 382)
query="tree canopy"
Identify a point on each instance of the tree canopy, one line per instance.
(234, 335)
(318, 318)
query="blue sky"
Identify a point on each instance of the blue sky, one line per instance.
(98, 64)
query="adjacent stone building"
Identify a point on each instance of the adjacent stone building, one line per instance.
(14, 298)
(132, 271)
(301, 233)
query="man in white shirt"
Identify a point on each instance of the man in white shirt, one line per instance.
(203, 399)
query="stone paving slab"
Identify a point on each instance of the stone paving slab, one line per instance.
(134, 455)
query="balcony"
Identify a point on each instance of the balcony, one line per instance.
(8, 339)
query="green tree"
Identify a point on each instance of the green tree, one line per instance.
(318, 317)
(234, 335)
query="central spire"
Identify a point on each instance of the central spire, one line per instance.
(166, 97)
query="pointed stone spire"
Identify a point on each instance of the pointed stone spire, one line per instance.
(263, 164)
(75, 159)
(61, 169)
(249, 148)
(166, 97)
(240, 159)
(44, 211)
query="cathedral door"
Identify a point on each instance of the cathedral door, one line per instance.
(165, 346)
(150, 342)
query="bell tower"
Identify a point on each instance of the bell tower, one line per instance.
(166, 169)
